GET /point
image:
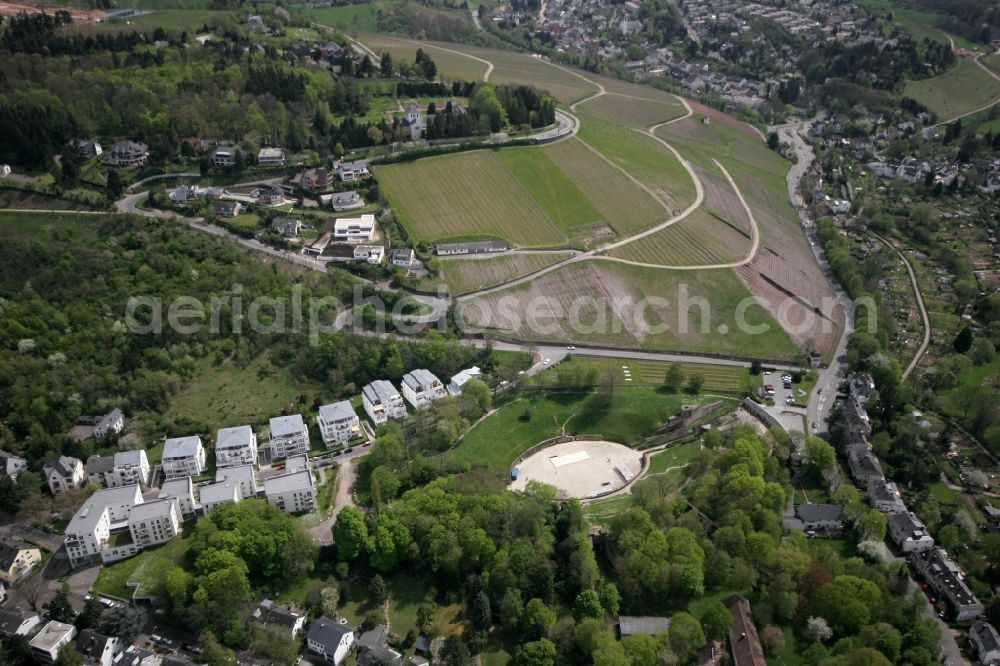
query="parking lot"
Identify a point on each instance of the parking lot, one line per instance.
(789, 400)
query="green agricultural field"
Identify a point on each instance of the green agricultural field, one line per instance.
(500, 438)
(351, 18)
(625, 206)
(465, 275)
(622, 110)
(466, 195)
(190, 20)
(962, 89)
(550, 187)
(649, 373)
(644, 158)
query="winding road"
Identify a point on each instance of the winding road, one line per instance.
(920, 306)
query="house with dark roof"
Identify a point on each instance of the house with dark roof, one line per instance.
(17, 558)
(908, 533)
(884, 496)
(379, 656)
(98, 649)
(226, 208)
(87, 148)
(269, 614)
(316, 179)
(127, 153)
(821, 516)
(330, 640)
(946, 578)
(289, 227)
(478, 247)
(863, 463)
(985, 643)
(63, 474)
(744, 644)
(16, 622)
(343, 200)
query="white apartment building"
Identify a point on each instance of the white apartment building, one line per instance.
(215, 494)
(338, 423)
(243, 475)
(421, 388)
(154, 522)
(181, 489)
(183, 456)
(459, 381)
(382, 402)
(88, 534)
(123, 469)
(235, 446)
(293, 492)
(289, 436)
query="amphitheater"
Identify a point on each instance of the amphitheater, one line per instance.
(581, 469)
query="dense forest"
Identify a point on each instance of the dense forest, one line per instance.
(972, 19)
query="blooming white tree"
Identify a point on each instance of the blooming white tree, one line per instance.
(817, 630)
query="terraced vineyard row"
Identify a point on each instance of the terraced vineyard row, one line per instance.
(465, 275)
(699, 239)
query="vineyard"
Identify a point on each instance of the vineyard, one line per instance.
(465, 275)
(699, 239)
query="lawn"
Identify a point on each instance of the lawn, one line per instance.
(237, 393)
(465, 275)
(651, 372)
(550, 187)
(963, 88)
(599, 512)
(190, 20)
(352, 18)
(467, 195)
(500, 438)
(148, 569)
(674, 456)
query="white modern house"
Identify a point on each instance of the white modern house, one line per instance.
(181, 489)
(293, 492)
(459, 381)
(183, 456)
(110, 424)
(235, 446)
(355, 229)
(373, 254)
(421, 388)
(348, 172)
(338, 423)
(271, 157)
(382, 402)
(131, 467)
(215, 494)
(243, 475)
(289, 436)
(155, 522)
(63, 474)
(330, 640)
(98, 649)
(46, 643)
(224, 157)
(908, 533)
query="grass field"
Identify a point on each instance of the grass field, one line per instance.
(148, 569)
(633, 306)
(550, 187)
(675, 456)
(962, 89)
(350, 18)
(644, 158)
(501, 437)
(651, 373)
(699, 239)
(179, 20)
(236, 393)
(465, 275)
(465, 195)
(451, 66)
(631, 112)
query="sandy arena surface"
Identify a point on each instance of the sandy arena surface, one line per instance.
(581, 469)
